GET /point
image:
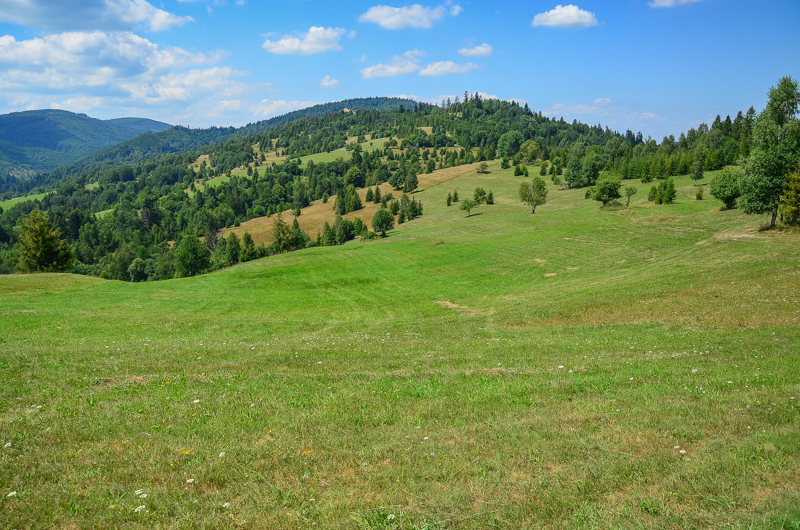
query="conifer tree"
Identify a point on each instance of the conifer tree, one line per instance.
(40, 247)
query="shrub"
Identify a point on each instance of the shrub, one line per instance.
(725, 187)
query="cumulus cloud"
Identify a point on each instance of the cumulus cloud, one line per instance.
(327, 82)
(397, 65)
(414, 16)
(671, 3)
(268, 108)
(568, 16)
(120, 73)
(447, 67)
(317, 40)
(73, 15)
(484, 50)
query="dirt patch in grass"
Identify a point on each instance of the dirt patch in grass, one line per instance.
(451, 305)
(658, 218)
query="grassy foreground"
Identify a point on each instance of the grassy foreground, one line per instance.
(576, 368)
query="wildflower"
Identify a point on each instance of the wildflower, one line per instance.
(139, 509)
(694, 371)
(677, 447)
(138, 492)
(561, 366)
(143, 496)
(390, 517)
(226, 505)
(222, 454)
(196, 401)
(425, 438)
(9, 443)
(682, 451)
(190, 481)
(12, 494)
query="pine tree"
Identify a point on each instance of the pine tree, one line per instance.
(40, 247)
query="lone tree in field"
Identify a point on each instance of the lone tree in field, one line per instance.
(468, 205)
(607, 190)
(40, 247)
(483, 167)
(533, 193)
(699, 167)
(382, 221)
(775, 151)
(630, 191)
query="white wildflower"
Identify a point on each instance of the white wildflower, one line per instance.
(226, 505)
(9, 443)
(138, 492)
(196, 401)
(222, 454)
(140, 508)
(390, 517)
(143, 496)
(190, 481)
(12, 494)
(682, 451)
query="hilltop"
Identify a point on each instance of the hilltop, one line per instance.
(40, 140)
(139, 147)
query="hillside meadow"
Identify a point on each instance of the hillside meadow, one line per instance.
(576, 368)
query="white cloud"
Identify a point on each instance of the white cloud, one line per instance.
(671, 3)
(414, 16)
(397, 65)
(327, 82)
(121, 74)
(447, 67)
(268, 108)
(484, 50)
(602, 101)
(71, 15)
(569, 16)
(317, 40)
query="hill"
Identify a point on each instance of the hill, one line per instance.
(581, 368)
(40, 140)
(181, 139)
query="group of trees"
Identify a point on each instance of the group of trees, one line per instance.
(110, 216)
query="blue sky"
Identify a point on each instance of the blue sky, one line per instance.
(659, 66)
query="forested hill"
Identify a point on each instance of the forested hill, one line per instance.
(181, 139)
(178, 196)
(40, 140)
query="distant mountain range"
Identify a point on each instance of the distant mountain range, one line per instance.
(40, 140)
(42, 147)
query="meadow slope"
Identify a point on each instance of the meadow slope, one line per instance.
(576, 368)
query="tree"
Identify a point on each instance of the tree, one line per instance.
(529, 151)
(40, 247)
(790, 207)
(533, 193)
(449, 199)
(191, 257)
(483, 167)
(479, 195)
(468, 205)
(382, 222)
(698, 167)
(509, 143)
(249, 247)
(630, 191)
(281, 234)
(455, 196)
(543, 169)
(725, 187)
(233, 249)
(774, 152)
(607, 189)
(411, 181)
(665, 193)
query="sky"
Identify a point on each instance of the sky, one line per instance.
(656, 66)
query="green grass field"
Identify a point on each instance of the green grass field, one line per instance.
(576, 368)
(17, 200)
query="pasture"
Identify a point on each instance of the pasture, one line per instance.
(576, 368)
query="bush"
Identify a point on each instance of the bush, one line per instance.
(666, 193)
(382, 221)
(651, 196)
(725, 187)
(607, 190)
(699, 194)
